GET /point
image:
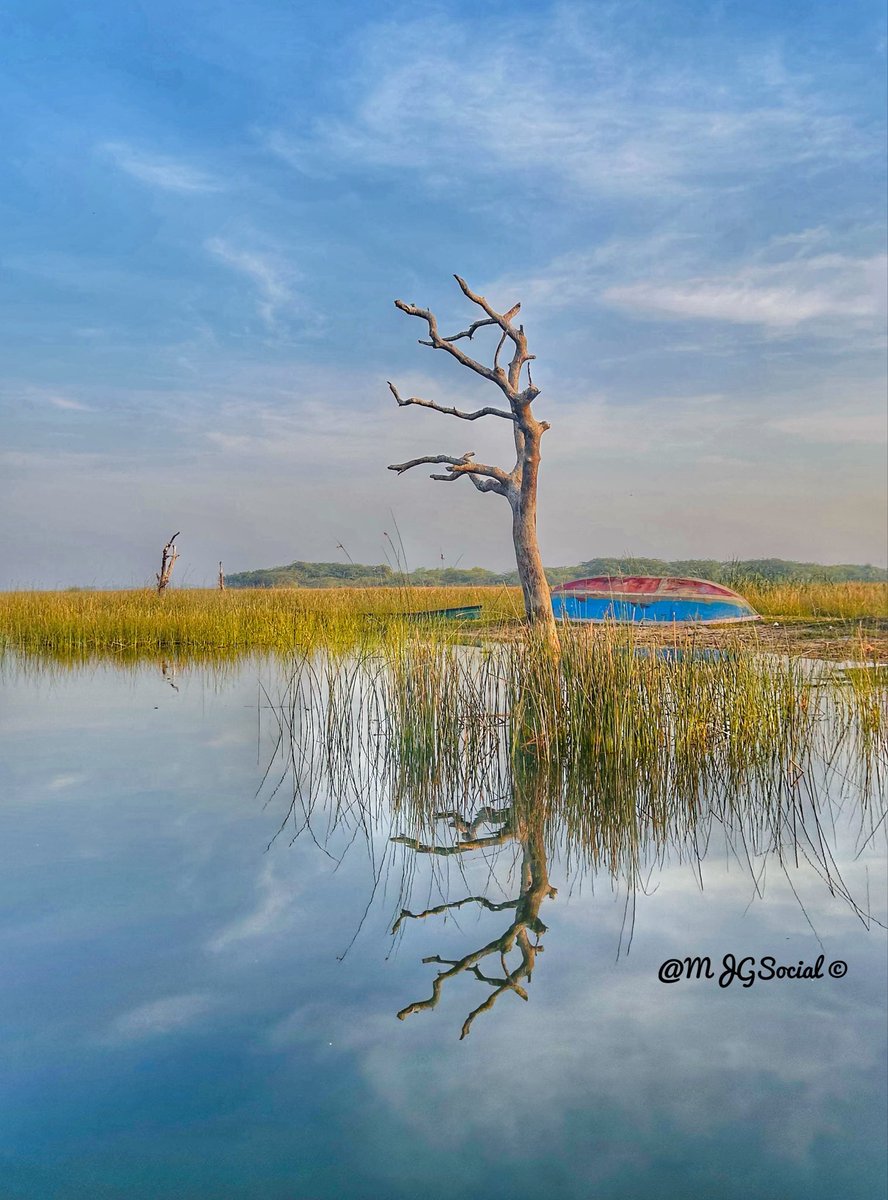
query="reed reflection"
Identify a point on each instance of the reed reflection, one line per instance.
(615, 767)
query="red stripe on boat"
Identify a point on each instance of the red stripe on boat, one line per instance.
(646, 585)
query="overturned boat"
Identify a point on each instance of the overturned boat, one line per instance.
(648, 598)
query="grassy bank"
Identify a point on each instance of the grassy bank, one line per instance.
(807, 601)
(234, 622)
(229, 622)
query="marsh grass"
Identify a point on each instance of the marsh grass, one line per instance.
(812, 601)
(192, 621)
(381, 706)
(228, 623)
(618, 749)
(467, 773)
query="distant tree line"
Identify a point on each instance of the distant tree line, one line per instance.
(732, 573)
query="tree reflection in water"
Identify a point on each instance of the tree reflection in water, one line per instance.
(527, 829)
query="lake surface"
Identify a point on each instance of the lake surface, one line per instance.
(193, 1007)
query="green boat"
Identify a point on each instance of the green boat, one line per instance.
(466, 612)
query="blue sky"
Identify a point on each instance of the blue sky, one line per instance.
(208, 208)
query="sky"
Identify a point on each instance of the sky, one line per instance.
(207, 209)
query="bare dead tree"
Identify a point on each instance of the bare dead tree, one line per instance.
(167, 562)
(524, 931)
(221, 578)
(518, 486)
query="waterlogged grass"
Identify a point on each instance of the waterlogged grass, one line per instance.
(233, 622)
(612, 760)
(195, 622)
(604, 731)
(616, 754)
(615, 715)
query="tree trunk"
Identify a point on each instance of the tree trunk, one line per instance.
(537, 598)
(167, 562)
(534, 585)
(519, 485)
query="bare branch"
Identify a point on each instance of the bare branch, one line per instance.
(498, 839)
(451, 412)
(468, 333)
(433, 912)
(427, 458)
(486, 815)
(437, 342)
(489, 485)
(518, 336)
(500, 479)
(496, 355)
(457, 966)
(504, 320)
(476, 325)
(470, 963)
(473, 468)
(509, 984)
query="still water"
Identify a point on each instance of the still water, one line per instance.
(193, 1007)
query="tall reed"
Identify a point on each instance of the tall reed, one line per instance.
(626, 744)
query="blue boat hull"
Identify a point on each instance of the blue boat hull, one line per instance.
(665, 609)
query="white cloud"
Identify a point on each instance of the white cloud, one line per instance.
(275, 912)
(782, 295)
(66, 403)
(159, 1017)
(60, 783)
(569, 106)
(270, 274)
(806, 283)
(41, 396)
(168, 174)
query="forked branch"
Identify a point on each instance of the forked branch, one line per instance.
(437, 342)
(509, 981)
(476, 325)
(507, 382)
(535, 888)
(493, 479)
